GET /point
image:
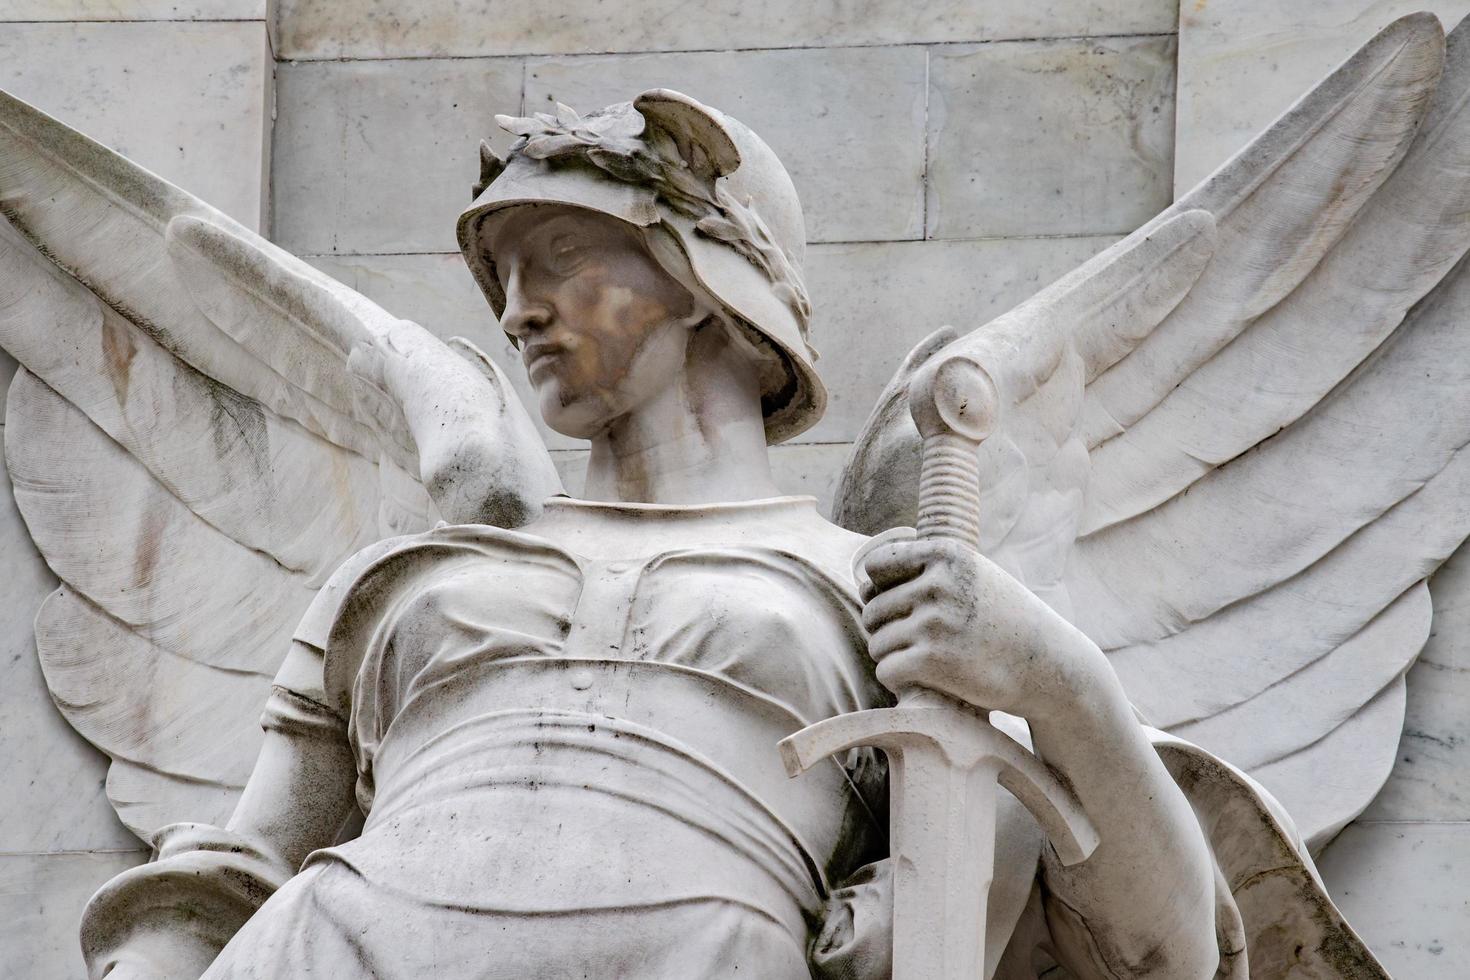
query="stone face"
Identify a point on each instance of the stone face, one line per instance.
(41, 899)
(1069, 137)
(848, 123)
(380, 156)
(437, 292)
(1402, 887)
(188, 101)
(423, 28)
(1242, 63)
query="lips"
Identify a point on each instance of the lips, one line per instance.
(540, 356)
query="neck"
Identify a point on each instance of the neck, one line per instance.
(699, 440)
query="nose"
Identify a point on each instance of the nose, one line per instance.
(524, 313)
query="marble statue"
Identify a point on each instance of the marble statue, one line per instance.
(1175, 516)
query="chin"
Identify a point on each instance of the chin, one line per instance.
(576, 418)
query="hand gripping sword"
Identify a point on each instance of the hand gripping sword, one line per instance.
(945, 758)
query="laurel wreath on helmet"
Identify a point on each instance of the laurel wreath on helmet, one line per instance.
(618, 141)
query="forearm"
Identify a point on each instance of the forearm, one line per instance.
(1152, 849)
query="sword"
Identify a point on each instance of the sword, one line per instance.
(945, 758)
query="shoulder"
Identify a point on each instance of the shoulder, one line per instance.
(828, 546)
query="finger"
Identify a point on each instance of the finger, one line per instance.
(902, 670)
(897, 602)
(894, 563)
(899, 635)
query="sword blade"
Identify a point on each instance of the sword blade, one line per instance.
(943, 846)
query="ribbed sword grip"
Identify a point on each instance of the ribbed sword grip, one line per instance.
(949, 489)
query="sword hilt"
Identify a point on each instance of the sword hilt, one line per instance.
(954, 404)
(945, 756)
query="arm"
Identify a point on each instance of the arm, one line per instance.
(168, 919)
(943, 617)
(476, 473)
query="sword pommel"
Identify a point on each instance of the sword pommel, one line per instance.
(955, 405)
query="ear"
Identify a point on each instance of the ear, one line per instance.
(695, 128)
(491, 165)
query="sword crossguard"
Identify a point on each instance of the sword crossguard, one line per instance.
(965, 741)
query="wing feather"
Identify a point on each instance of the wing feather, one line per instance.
(170, 417)
(104, 221)
(141, 701)
(1280, 206)
(1322, 785)
(1269, 514)
(1322, 695)
(151, 563)
(1295, 352)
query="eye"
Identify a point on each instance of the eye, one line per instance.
(566, 253)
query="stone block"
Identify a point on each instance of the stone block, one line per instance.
(847, 122)
(125, 10)
(380, 156)
(41, 901)
(1431, 777)
(189, 101)
(1243, 63)
(1071, 137)
(422, 28)
(1401, 885)
(874, 302)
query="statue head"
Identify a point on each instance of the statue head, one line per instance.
(633, 226)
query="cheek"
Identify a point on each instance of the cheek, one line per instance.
(615, 325)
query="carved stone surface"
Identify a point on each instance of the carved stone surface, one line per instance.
(1255, 481)
(875, 301)
(59, 837)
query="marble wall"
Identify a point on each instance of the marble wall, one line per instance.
(953, 157)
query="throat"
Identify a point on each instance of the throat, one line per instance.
(673, 450)
(680, 467)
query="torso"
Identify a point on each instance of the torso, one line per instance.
(579, 718)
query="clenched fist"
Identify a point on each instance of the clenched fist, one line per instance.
(941, 616)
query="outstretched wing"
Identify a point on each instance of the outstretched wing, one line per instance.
(1233, 456)
(193, 456)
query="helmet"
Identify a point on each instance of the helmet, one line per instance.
(665, 160)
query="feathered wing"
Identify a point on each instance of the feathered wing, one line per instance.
(193, 456)
(1233, 454)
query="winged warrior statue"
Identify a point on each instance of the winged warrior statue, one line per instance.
(511, 732)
